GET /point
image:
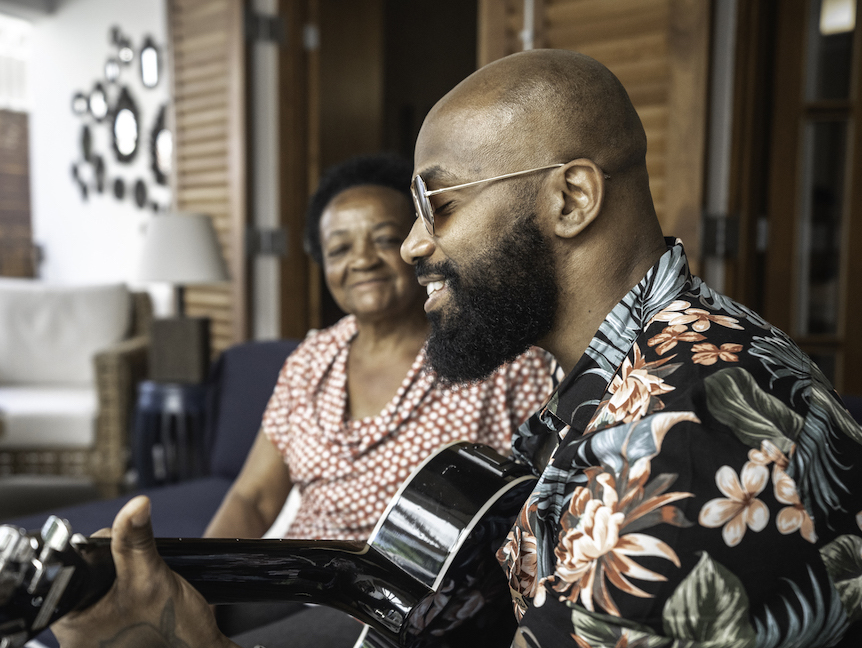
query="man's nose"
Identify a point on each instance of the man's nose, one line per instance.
(418, 244)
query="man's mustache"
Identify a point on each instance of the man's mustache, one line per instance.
(444, 269)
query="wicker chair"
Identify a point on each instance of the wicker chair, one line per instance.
(118, 369)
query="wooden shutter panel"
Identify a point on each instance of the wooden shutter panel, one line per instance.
(659, 51)
(17, 253)
(208, 58)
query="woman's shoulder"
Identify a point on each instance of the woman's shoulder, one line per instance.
(323, 344)
(532, 361)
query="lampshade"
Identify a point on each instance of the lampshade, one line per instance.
(182, 249)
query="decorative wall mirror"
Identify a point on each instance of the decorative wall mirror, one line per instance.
(150, 63)
(99, 172)
(86, 142)
(112, 70)
(111, 105)
(98, 102)
(124, 46)
(161, 148)
(125, 130)
(80, 104)
(140, 194)
(126, 53)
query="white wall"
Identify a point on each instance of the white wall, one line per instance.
(98, 239)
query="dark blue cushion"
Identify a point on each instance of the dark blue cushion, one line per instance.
(239, 388)
(179, 510)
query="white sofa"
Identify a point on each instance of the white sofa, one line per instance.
(69, 360)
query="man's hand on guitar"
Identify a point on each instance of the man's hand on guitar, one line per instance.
(148, 604)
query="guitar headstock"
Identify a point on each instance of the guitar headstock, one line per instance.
(38, 571)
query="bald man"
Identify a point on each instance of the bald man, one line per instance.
(696, 478)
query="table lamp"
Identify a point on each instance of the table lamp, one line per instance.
(181, 249)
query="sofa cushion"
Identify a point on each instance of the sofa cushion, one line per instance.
(47, 416)
(49, 334)
(239, 387)
(179, 510)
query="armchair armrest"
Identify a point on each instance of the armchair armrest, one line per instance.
(119, 368)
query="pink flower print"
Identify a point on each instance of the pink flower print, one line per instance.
(792, 517)
(597, 548)
(767, 454)
(668, 338)
(707, 353)
(633, 391)
(739, 508)
(680, 312)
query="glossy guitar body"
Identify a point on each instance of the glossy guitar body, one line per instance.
(427, 576)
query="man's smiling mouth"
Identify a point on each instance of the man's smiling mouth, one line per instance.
(434, 286)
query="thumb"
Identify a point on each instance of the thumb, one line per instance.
(132, 544)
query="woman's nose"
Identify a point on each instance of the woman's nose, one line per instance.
(418, 243)
(365, 255)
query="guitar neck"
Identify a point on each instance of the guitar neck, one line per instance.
(428, 571)
(350, 576)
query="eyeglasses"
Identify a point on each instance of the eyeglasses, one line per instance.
(421, 194)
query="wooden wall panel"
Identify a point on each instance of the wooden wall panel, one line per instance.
(299, 163)
(500, 25)
(631, 38)
(17, 254)
(208, 61)
(659, 51)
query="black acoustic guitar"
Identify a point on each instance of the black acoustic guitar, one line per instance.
(427, 576)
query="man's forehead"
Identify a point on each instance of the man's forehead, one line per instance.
(461, 143)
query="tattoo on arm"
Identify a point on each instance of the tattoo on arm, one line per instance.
(146, 635)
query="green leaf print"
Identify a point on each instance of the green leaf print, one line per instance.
(604, 631)
(843, 560)
(736, 400)
(710, 605)
(834, 411)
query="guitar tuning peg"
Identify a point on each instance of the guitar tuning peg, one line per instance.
(55, 533)
(78, 539)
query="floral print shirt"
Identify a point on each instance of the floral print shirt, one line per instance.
(699, 486)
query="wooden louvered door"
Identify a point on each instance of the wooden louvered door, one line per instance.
(17, 254)
(208, 57)
(659, 51)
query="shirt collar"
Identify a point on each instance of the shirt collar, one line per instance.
(661, 285)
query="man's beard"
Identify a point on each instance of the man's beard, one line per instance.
(501, 303)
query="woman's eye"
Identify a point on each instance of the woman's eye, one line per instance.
(388, 241)
(336, 251)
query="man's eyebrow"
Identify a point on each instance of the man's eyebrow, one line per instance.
(437, 175)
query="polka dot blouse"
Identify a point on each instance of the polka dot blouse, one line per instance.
(349, 469)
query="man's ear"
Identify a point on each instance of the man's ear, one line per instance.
(580, 194)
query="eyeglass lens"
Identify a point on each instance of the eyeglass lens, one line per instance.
(422, 204)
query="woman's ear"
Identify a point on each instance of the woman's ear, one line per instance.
(580, 194)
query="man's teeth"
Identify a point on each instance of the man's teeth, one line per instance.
(434, 286)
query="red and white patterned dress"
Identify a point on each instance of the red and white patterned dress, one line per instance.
(348, 470)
